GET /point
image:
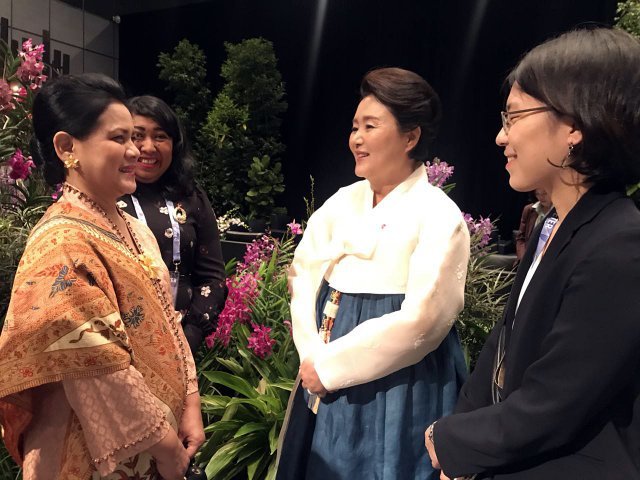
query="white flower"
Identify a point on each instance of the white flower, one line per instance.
(205, 291)
(227, 220)
(164, 210)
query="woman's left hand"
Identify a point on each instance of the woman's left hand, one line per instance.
(191, 431)
(310, 379)
(431, 449)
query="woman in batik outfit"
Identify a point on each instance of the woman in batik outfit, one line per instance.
(376, 283)
(91, 335)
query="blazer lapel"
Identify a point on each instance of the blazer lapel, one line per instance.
(583, 212)
(590, 205)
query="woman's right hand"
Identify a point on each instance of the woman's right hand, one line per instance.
(171, 457)
(310, 379)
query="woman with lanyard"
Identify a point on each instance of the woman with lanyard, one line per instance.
(178, 212)
(556, 392)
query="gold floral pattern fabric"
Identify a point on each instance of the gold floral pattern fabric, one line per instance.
(83, 306)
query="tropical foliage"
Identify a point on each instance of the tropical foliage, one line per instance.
(247, 375)
(240, 130)
(184, 71)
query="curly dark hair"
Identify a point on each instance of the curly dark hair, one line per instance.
(178, 181)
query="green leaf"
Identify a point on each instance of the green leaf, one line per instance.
(225, 426)
(253, 466)
(260, 405)
(273, 438)
(250, 428)
(223, 458)
(263, 368)
(232, 455)
(214, 404)
(273, 469)
(232, 365)
(232, 381)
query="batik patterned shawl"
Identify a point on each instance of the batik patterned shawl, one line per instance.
(84, 305)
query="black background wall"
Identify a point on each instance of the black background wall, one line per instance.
(464, 48)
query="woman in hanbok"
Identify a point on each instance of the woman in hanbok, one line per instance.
(96, 377)
(376, 284)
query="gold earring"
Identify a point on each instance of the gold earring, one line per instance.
(70, 161)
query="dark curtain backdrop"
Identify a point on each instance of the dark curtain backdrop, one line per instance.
(464, 48)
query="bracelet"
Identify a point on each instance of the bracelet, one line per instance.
(430, 433)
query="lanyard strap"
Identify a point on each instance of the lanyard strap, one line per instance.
(547, 228)
(175, 226)
(138, 208)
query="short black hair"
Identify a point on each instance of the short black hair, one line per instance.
(178, 180)
(593, 77)
(73, 104)
(410, 99)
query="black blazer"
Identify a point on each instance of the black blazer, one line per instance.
(571, 407)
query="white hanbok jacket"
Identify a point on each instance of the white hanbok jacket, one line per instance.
(414, 242)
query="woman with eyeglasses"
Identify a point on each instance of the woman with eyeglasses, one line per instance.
(179, 214)
(556, 390)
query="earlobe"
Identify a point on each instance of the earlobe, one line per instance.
(575, 136)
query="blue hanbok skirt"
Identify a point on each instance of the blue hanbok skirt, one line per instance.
(373, 431)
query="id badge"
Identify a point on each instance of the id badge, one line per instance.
(174, 279)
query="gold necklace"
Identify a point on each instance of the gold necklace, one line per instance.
(94, 205)
(146, 262)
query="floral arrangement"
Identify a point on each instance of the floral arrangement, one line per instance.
(228, 220)
(247, 372)
(23, 194)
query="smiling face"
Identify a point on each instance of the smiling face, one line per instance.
(535, 139)
(107, 157)
(156, 149)
(379, 147)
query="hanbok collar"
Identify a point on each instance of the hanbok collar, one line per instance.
(419, 174)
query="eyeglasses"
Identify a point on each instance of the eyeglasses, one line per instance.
(508, 117)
